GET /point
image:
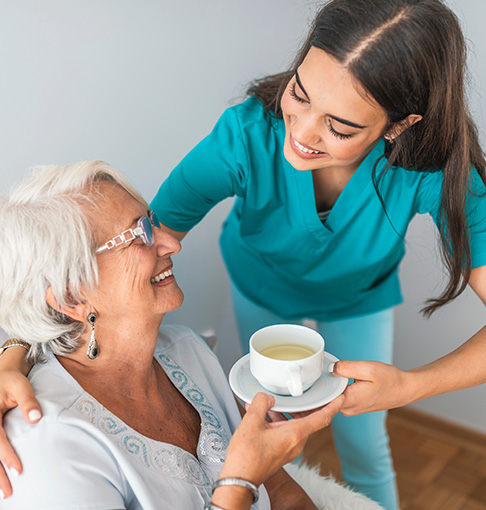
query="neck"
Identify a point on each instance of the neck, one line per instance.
(125, 360)
(328, 185)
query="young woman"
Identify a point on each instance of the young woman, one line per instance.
(330, 161)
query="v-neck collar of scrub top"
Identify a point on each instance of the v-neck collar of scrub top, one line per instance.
(346, 203)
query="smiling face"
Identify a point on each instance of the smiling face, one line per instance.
(135, 279)
(328, 121)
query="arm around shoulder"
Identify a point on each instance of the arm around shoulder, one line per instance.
(15, 390)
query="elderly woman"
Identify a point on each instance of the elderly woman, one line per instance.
(135, 416)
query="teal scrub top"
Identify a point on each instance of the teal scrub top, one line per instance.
(276, 249)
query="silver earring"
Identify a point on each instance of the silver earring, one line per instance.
(93, 349)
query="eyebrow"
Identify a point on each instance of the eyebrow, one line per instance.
(297, 79)
(338, 119)
(347, 122)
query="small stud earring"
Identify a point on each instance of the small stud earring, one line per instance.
(93, 349)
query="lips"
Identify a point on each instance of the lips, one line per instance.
(304, 151)
(161, 276)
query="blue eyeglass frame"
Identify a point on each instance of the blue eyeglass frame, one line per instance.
(144, 230)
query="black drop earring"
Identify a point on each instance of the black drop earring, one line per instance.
(93, 349)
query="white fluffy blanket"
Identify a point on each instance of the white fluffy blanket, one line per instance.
(326, 492)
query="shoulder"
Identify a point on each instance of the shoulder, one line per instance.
(476, 186)
(65, 466)
(56, 392)
(250, 114)
(64, 445)
(252, 110)
(241, 129)
(421, 189)
(430, 190)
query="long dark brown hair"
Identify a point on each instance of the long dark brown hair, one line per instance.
(410, 57)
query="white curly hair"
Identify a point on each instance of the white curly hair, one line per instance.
(46, 241)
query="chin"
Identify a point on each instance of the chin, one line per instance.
(300, 164)
(170, 303)
(292, 158)
(178, 301)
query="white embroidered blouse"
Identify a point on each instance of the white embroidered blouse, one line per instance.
(81, 456)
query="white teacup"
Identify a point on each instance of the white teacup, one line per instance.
(286, 359)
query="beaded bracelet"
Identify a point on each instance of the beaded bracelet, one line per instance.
(11, 342)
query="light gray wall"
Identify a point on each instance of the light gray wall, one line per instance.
(138, 84)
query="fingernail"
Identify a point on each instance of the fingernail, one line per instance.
(14, 472)
(330, 367)
(35, 415)
(2, 494)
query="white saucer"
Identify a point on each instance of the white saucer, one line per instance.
(325, 389)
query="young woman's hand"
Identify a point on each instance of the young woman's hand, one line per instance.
(15, 390)
(376, 387)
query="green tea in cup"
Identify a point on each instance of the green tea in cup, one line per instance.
(287, 351)
(286, 359)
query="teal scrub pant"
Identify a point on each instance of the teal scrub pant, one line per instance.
(361, 441)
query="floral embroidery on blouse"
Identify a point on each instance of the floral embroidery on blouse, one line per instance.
(213, 440)
(163, 457)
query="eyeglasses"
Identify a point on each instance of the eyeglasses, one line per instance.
(144, 230)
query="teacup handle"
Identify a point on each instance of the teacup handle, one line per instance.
(295, 383)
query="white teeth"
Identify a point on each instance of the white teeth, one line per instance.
(305, 149)
(161, 276)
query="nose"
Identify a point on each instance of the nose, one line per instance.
(306, 128)
(165, 244)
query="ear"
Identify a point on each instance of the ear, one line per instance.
(77, 311)
(402, 126)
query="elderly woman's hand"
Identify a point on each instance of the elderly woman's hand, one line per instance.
(15, 390)
(259, 447)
